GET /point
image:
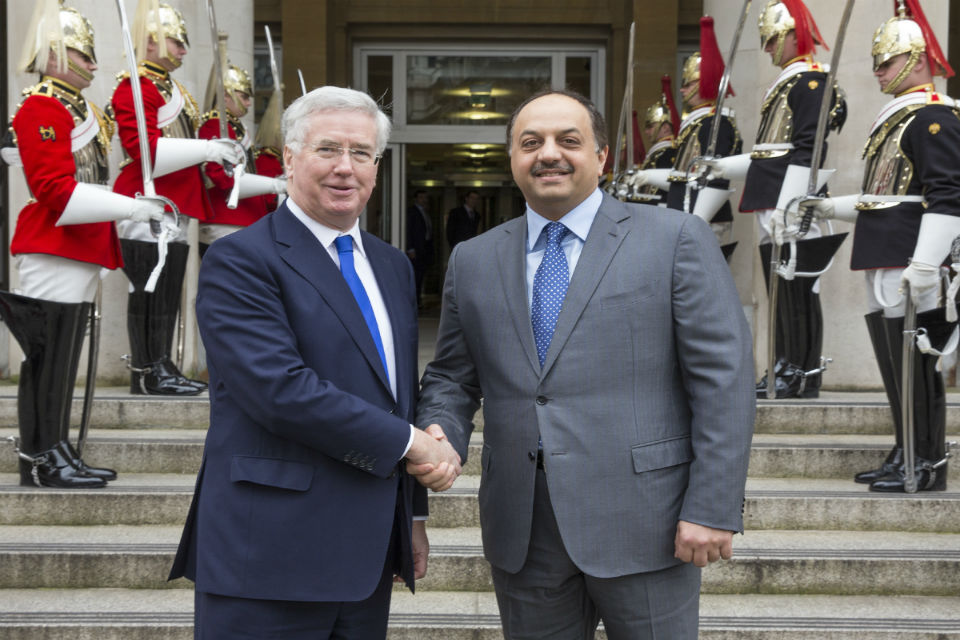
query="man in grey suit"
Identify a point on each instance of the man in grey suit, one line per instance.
(608, 345)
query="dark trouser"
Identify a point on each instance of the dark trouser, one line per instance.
(551, 598)
(227, 618)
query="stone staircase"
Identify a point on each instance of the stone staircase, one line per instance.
(821, 559)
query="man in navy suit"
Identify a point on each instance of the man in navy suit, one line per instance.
(303, 512)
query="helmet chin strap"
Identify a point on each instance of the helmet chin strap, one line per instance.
(905, 71)
(80, 71)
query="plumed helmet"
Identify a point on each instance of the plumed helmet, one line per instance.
(58, 28)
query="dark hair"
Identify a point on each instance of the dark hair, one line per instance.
(417, 193)
(596, 118)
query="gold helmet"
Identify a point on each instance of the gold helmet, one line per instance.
(658, 113)
(58, 28)
(775, 22)
(908, 33)
(236, 79)
(663, 111)
(159, 21)
(691, 69)
(780, 17)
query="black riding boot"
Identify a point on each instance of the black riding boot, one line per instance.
(886, 337)
(51, 336)
(800, 338)
(152, 319)
(929, 410)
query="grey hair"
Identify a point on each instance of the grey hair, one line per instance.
(329, 98)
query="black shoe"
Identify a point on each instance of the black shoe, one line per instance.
(891, 464)
(51, 468)
(928, 479)
(161, 378)
(96, 472)
(787, 384)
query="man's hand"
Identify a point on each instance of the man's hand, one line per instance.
(432, 459)
(702, 545)
(922, 278)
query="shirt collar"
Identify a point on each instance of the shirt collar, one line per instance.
(326, 235)
(578, 220)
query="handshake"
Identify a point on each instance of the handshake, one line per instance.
(432, 460)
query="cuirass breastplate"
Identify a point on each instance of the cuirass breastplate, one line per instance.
(776, 122)
(688, 144)
(888, 171)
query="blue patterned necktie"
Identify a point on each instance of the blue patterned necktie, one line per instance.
(549, 288)
(345, 250)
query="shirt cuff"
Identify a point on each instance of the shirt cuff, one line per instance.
(409, 442)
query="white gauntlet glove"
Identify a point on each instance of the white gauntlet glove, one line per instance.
(94, 203)
(174, 154)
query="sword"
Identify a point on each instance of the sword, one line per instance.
(625, 108)
(218, 43)
(92, 352)
(711, 150)
(906, 391)
(725, 82)
(273, 60)
(303, 85)
(164, 230)
(775, 253)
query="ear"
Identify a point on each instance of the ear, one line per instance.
(602, 157)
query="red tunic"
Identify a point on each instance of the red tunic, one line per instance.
(269, 164)
(248, 210)
(43, 126)
(184, 187)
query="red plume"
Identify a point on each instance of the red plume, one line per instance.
(938, 62)
(667, 88)
(711, 62)
(806, 29)
(639, 153)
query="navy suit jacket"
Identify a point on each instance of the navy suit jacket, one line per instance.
(300, 484)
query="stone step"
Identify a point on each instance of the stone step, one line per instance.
(769, 562)
(773, 455)
(143, 614)
(771, 503)
(866, 413)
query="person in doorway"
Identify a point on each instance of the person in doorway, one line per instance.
(419, 239)
(463, 221)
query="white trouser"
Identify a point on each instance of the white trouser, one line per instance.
(57, 279)
(883, 293)
(130, 230)
(207, 233)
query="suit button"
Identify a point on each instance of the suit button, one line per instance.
(531, 455)
(541, 400)
(393, 411)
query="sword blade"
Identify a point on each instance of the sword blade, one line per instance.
(145, 163)
(906, 391)
(625, 106)
(772, 321)
(725, 81)
(827, 100)
(273, 60)
(221, 105)
(93, 349)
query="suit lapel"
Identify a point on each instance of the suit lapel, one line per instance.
(303, 252)
(606, 234)
(392, 291)
(512, 264)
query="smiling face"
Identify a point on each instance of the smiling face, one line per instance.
(554, 156)
(333, 191)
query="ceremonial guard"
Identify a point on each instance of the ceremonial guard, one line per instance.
(64, 238)
(234, 211)
(906, 218)
(172, 117)
(660, 123)
(702, 73)
(777, 170)
(268, 146)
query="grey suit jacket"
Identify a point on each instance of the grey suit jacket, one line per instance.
(645, 403)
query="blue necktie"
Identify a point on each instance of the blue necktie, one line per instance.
(345, 250)
(549, 288)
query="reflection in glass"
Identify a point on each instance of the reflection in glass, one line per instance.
(380, 81)
(578, 74)
(468, 90)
